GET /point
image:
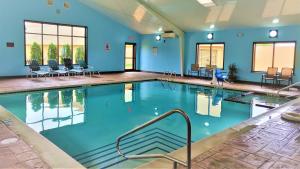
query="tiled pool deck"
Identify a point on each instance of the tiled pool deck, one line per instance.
(272, 144)
(15, 153)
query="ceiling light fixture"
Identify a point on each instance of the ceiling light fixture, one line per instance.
(210, 36)
(160, 29)
(157, 37)
(66, 5)
(50, 2)
(275, 21)
(273, 33)
(212, 26)
(207, 3)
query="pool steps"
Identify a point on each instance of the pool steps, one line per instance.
(239, 99)
(140, 143)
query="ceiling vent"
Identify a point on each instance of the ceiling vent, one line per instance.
(168, 34)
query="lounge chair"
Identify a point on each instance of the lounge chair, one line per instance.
(54, 68)
(87, 68)
(220, 76)
(285, 75)
(194, 69)
(269, 75)
(69, 67)
(35, 69)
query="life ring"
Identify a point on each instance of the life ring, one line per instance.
(291, 116)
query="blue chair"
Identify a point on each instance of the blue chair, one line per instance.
(54, 68)
(221, 76)
(70, 68)
(35, 69)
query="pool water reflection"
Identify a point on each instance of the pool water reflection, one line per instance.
(85, 121)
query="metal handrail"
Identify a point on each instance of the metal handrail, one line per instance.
(287, 87)
(175, 161)
(168, 75)
(165, 76)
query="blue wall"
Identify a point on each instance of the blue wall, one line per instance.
(101, 29)
(239, 49)
(167, 58)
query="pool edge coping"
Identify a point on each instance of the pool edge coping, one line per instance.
(157, 78)
(77, 85)
(45, 149)
(26, 132)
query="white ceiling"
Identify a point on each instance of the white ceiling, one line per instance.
(189, 15)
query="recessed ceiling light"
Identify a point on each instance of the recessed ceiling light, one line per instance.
(160, 29)
(207, 3)
(212, 26)
(157, 37)
(273, 33)
(210, 36)
(275, 21)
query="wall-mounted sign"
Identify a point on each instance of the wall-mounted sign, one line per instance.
(10, 44)
(154, 51)
(107, 47)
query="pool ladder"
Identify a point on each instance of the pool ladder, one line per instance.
(169, 76)
(176, 161)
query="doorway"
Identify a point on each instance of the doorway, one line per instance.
(130, 56)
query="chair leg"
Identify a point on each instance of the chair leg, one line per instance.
(265, 81)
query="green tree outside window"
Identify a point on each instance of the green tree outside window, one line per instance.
(52, 52)
(36, 52)
(79, 54)
(65, 53)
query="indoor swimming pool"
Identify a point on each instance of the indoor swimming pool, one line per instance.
(85, 121)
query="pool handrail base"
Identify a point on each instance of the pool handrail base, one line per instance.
(175, 160)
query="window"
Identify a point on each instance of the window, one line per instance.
(273, 54)
(211, 54)
(45, 41)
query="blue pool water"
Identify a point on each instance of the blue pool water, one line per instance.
(85, 121)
